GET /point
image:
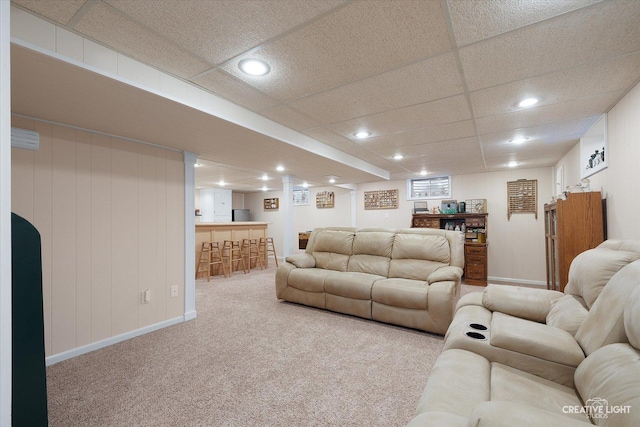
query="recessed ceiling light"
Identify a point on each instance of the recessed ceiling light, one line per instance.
(528, 102)
(280, 168)
(362, 134)
(305, 184)
(332, 180)
(518, 140)
(264, 188)
(398, 157)
(264, 177)
(222, 183)
(423, 172)
(512, 164)
(254, 67)
(198, 165)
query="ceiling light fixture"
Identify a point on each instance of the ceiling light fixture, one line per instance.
(332, 181)
(254, 67)
(512, 164)
(264, 188)
(528, 102)
(518, 140)
(280, 168)
(362, 134)
(305, 184)
(398, 157)
(423, 172)
(265, 177)
(221, 183)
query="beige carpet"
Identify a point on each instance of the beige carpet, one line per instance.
(249, 360)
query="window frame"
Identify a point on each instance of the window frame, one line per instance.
(438, 197)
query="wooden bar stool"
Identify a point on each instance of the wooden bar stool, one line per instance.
(204, 260)
(233, 252)
(251, 251)
(216, 257)
(265, 246)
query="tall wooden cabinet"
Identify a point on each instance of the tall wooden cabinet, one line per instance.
(475, 246)
(572, 226)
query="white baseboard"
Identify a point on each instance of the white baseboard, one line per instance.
(491, 279)
(51, 360)
(190, 315)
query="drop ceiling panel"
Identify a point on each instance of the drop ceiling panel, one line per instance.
(60, 11)
(416, 83)
(477, 20)
(427, 135)
(601, 31)
(457, 145)
(609, 75)
(228, 27)
(103, 23)
(448, 110)
(565, 111)
(343, 47)
(229, 87)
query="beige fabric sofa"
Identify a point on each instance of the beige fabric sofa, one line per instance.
(408, 277)
(544, 355)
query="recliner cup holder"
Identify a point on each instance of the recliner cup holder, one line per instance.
(475, 335)
(478, 326)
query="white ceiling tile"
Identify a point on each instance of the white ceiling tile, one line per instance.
(363, 39)
(476, 20)
(60, 11)
(416, 83)
(219, 30)
(609, 75)
(105, 24)
(448, 110)
(227, 86)
(548, 114)
(445, 132)
(601, 31)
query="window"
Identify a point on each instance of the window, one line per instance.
(429, 188)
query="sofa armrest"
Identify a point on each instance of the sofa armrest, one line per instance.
(445, 274)
(302, 260)
(527, 303)
(282, 278)
(472, 298)
(509, 414)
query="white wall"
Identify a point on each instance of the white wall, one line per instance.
(111, 217)
(619, 183)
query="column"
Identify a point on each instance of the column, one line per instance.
(286, 205)
(190, 160)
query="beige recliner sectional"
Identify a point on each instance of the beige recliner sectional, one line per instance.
(523, 356)
(408, 277)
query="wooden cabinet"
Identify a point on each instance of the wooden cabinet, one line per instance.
(475, 247)
(572, 226)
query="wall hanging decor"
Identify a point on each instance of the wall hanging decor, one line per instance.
(381, 199)
(301, 197)
(271, 204)
(594, 151)
(522, 197)
(325, 199)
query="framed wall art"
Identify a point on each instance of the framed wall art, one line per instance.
(594, 150)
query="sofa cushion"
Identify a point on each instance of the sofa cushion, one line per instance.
(424, 247)
(371, 264)
(332, 249)
(308, 279)
(605, 322)
(592, 269)
(567, 313)
(373, 243)
(405, 293)
(413, 268)
(350, 285)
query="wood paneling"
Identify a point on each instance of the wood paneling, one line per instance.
(111, 217)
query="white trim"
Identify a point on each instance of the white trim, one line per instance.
(518, 281)
(56, 358)
(5, 214)
(286, 207)
(190, 160)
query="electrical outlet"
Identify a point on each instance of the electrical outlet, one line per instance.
(146, 296)
(174, 291)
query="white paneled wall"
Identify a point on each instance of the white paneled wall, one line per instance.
(111, 216)
(620, 181)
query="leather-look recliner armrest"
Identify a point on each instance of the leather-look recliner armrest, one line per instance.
(509, 414)
(445, 274)
(526, 303)
(302, 260)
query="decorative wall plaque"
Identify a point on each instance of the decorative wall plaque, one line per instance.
(522, 197)
(381, 199)
(325, 199)
(271, 204)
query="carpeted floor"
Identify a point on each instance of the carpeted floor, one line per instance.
(249, 360)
